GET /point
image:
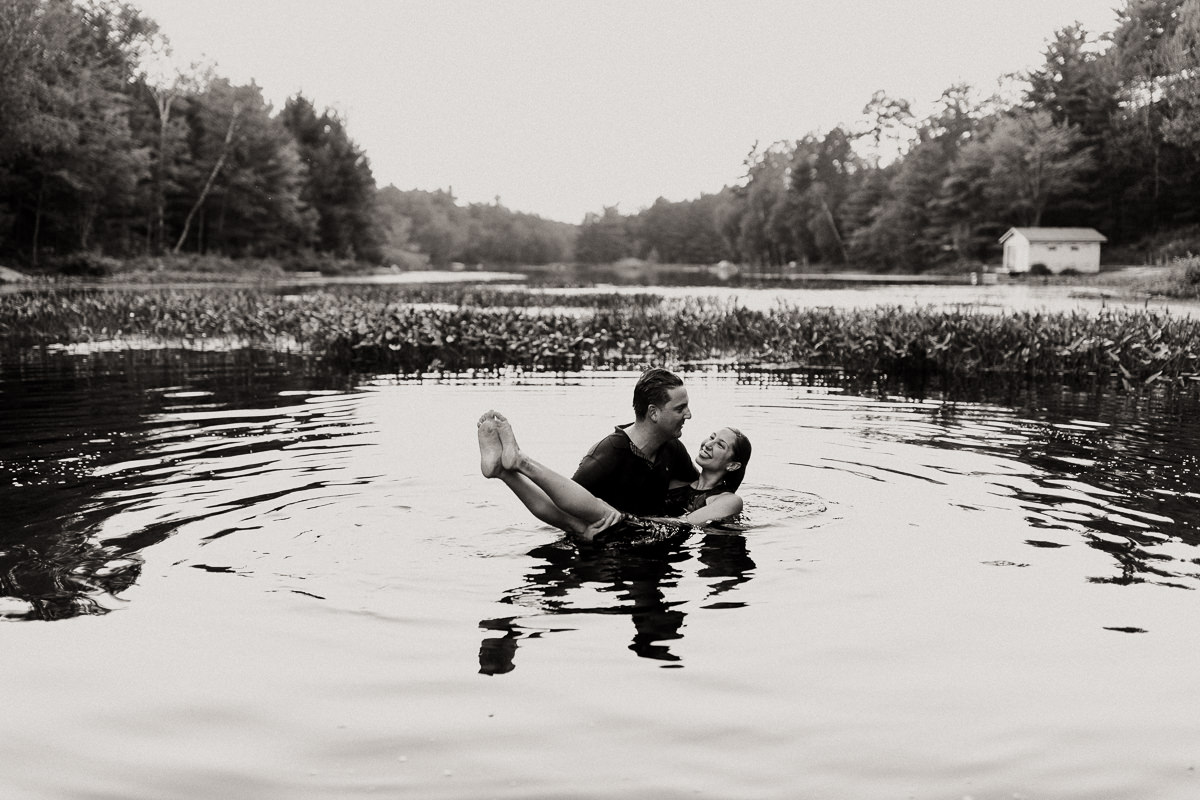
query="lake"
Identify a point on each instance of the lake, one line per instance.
(872, 291)
(239, 574)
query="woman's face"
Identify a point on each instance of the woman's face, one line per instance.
(716, 451)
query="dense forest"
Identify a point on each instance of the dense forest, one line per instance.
(104, 156)
(1105, 134)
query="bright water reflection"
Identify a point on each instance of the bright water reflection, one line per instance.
(997, 298)
(267, 582)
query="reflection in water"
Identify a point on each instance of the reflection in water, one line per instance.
(727, 564)
(1119, 473)
(65, 576)
(634, 582)
(160, 437)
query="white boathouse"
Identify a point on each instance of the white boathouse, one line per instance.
(1057, 248)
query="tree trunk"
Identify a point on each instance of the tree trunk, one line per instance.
(163, 99)
(37, 220)
(87, 218)
(837, 236)
(219, 235)
(212, 176)
(160, 189)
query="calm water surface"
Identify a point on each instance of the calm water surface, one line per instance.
(232, 575)
(1004, 297)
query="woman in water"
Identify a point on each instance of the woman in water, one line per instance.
(559, 501)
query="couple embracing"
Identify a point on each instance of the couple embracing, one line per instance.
(638, 484)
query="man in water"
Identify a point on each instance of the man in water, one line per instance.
(632, 467)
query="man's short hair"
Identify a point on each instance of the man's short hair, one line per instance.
(653, 389)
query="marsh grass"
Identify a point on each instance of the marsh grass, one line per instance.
(411, 330)
(1181, 281)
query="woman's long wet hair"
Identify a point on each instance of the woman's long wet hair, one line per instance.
(741, 453)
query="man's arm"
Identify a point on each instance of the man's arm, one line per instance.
(596, 469)
(592, 474)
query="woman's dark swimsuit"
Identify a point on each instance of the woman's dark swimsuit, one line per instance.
(635, 531)
(685, 499)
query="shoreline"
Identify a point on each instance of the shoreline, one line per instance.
(1118, 276)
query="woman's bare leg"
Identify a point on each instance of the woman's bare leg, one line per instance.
(540, 504)
(563, 492)
(533, 498)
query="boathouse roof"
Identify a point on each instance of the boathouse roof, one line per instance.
(1056, 234)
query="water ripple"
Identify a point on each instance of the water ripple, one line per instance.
(93, 485)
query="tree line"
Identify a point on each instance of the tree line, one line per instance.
(1105, 133)
(102, 152)
(99, 155)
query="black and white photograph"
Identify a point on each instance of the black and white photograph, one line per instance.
(599, 399)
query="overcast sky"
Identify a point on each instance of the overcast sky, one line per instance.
(560, 107)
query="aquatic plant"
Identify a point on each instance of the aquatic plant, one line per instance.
(458, 329)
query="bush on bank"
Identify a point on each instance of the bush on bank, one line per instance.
(1182, 281)
(460, 329)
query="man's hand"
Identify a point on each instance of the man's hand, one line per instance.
(604, 523)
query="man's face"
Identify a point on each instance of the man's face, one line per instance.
(670, 416)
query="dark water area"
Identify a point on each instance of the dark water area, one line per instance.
(245, 573)
(74, 430)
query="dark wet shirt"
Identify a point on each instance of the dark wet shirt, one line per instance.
(634, 531)
(618, 474)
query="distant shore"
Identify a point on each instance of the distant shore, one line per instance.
(1178, 281)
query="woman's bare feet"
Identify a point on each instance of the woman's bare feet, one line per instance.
(510, 457)
(490, 448)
